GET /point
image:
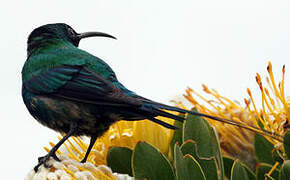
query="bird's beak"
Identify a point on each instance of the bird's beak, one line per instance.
(92, 34)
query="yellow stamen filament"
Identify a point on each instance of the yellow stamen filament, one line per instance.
(46, 149)
(81, 144)
(75, 149)
(278, 105)
(219, 98)
(70, 173)
(52, 145)
(201, 97)
(272, 170)
(71, 153)
(270, 99)
(269, 68)
(97, 173)
(255, 108)
(280, 94)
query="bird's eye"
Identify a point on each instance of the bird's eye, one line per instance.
(71, 31)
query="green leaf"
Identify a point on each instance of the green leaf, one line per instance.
(206, 138)
(264, 169)
(150, 163)
(287, 143)
(209, 166)
(228, 164)
(187, 167)
(218, 157)
(177, 135)
(285, 171)
(251, 174)
(119, 159)
(198, 129)
(239, 172)
(278, 156)
(263, 149)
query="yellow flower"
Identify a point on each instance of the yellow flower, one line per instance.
(235, 141)
(70, 169)
(123, 133)
(275, 112)
(274, 116)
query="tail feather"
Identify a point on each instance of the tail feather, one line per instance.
(168, 115)
(156, 108)
(155, 111)
(162, 123)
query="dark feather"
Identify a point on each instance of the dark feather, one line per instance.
(162, 123)
(80, 84)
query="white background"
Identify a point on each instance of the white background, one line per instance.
(163, 46)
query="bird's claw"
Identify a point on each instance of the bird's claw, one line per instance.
(43, 160)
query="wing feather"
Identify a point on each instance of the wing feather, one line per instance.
(79, 83)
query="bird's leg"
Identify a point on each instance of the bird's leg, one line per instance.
(43, 160)
(92, 142)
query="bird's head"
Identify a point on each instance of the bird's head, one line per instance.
(58, 31)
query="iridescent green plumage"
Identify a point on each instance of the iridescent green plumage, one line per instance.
(65, 87)
(74, 92)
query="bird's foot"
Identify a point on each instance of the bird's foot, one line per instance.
(44, 159)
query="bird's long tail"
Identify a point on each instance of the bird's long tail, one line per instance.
(156, 109)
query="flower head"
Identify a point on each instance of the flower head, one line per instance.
(271, 120)
(275, 112)
(69, 169)
(123, 133)
(235, 141)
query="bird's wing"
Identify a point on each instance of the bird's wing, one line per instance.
(82, 84)
(79, 83)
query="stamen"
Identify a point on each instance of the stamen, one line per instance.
(70, 173)
(272, 170)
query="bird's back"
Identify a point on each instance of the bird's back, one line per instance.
(57, 112)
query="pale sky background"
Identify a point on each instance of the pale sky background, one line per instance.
(163, 47)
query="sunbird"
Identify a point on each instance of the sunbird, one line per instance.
(76, 93)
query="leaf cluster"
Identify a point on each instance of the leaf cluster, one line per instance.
(196, 154)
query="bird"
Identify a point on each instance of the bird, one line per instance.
(76, 93)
